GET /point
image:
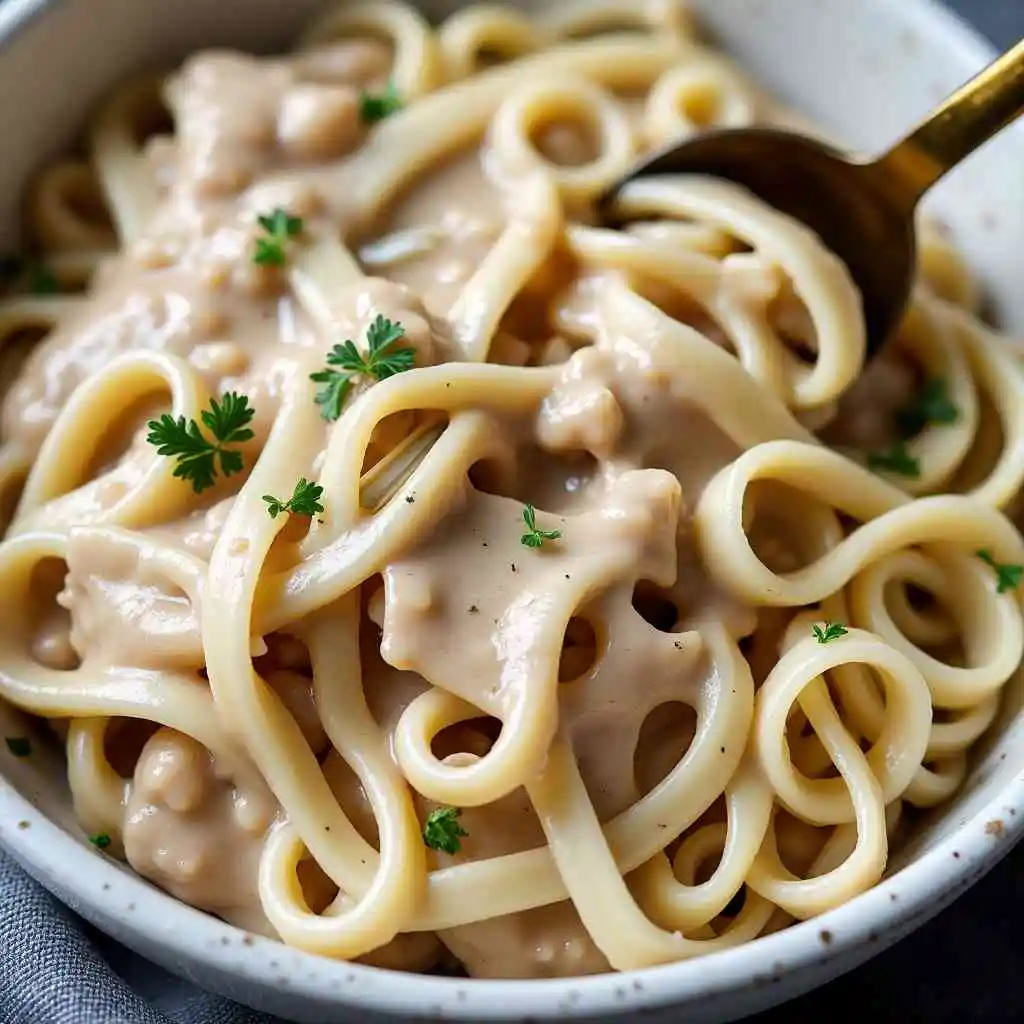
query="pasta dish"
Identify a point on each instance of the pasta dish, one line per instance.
(419, 572)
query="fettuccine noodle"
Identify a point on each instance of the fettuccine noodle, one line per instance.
(640, 588)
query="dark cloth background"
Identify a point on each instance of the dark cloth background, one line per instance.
(967, 965)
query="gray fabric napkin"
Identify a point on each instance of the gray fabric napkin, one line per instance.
(55, 969)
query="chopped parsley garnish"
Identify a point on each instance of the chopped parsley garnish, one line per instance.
(829, 632)
(101, 840)
(1008, 577)
(305, 501)
(19, 746)
(42, 280)
(377, 108)
(382, 360)
(35, 277)
(280, 226)
(535, 538)
(896, 460)
(197, 456)
(932, 406)
(443, 831)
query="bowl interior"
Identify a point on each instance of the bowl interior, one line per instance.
(865, 72)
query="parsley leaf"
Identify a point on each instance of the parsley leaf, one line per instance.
(19, 746)
(535, 538)
(1008, 577)
(831, 631)
(42, 280)
(197, 457)
(34, 277)
(896, 460)
(443, 831)
(305, 501)
(382, 360)
(377, 108)
(280, 226)
(933, 405)
(101, 840)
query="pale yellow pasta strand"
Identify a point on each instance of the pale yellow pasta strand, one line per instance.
(98, 793)
(399, 873)
(57, 495)
(582, 18)
(482, 29)
(703, 94)
(124, 174)
(891, 522)
(557, 98)
(416, 69)
(55, 209)
(897, 752)
(990, 625)
(819, 278)
(663, 890)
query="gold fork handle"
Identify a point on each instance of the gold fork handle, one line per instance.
(966, 120)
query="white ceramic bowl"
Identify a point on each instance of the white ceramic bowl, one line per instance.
(864, 69)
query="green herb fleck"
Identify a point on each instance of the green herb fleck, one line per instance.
(932, 406)
(305, 501)
(377, 108)
(280, 226)
(34, 277)
(197, 456)
(382, 360)
(101, 840)
(829, 632)
(443, 831)
(896, 460)
(1008, 577)
(535, 538)
(19, 746)
(42, 280)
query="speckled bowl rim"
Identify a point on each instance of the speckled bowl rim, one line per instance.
(791, 961)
